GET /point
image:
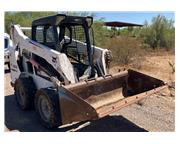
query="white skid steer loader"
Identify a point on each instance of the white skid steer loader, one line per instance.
(65, 77)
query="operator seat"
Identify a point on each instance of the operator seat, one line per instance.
(66, 68)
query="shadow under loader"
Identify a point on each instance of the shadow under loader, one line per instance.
(28, 121)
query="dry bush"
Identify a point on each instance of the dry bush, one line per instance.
(125, 50)
(172, 65)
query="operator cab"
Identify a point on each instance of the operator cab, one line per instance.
(71, 35)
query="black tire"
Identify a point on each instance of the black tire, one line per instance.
(25, 92)
(47, 107)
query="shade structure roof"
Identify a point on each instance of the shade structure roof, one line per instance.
(120, 24)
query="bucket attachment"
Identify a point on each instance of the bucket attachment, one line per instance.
(96, 98)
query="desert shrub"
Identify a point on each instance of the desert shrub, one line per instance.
(124, 49)
(160, 33)
(100, 33)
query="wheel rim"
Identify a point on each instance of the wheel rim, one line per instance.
(45, 108)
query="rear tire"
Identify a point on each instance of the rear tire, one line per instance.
(47, 107)
(25, 91)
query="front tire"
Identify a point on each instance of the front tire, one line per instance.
(47, 107)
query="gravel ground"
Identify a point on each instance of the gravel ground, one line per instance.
(155, 113)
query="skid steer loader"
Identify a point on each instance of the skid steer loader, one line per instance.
(65, 77)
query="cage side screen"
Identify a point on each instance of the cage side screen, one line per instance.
(50, 35)
(78, 48)
(39, 34)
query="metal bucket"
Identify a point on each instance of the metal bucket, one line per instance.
(99, 97)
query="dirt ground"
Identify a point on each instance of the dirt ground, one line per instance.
(155, 113)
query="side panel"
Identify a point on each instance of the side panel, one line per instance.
(51, 56)
(41, 82)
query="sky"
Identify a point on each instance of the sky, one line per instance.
(133, 17)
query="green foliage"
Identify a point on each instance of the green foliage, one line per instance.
(159, 34)
(125, 32)
(23, 18)
(100, 33)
